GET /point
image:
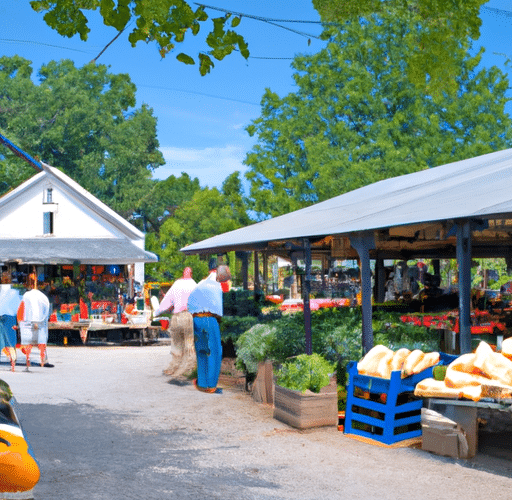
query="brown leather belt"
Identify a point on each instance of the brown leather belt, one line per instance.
(206, 315)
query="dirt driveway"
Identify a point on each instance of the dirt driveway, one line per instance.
(106, 424)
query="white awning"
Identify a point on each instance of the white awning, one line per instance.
(69, 251)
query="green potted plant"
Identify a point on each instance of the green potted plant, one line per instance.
(305, 393)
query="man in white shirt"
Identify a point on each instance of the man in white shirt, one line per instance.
(32, 318)
(181, 326)
(205, 305)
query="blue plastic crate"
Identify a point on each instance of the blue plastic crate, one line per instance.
(385, 410)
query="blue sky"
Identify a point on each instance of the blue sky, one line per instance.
(202, 120)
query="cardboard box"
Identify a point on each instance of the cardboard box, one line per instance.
(442, 436)
(441, 442)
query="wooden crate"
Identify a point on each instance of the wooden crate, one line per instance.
(306, 410)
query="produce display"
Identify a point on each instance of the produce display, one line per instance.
(480, 374)
(380, 361)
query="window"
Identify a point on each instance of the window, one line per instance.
(47, 222)
(48, 196)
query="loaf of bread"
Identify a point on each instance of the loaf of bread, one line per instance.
(411, 361)
(369, 365)
(399, 358)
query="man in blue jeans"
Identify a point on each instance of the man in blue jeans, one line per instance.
(205, 305)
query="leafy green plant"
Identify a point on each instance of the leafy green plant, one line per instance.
(305, 372)
(232, 327)
(336, 335)
(253, 346)
(390, 331)
(242, 303)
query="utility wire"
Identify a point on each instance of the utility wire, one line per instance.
(506, 13)
(156, 87)
(7, 40)
(259, 18)
(267, 20)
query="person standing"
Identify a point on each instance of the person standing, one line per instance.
(9, 302)
(205, 305)
(181, 326)
(32, 318)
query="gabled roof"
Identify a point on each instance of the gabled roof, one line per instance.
(51, 250)
(479, 188)
(74, 189)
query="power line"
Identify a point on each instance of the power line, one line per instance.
(260, 18)
(7, 40)
(506, 13)
(156, 87)
(268, 20)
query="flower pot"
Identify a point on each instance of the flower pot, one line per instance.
(263, 385)
(309, 409)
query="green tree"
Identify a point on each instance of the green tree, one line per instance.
(357, 118)
(432, 53)
(208, 213)
(83, 121)
(233, 192)
(162, 200)
(165, 22)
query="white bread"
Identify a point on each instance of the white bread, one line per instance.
(455, 378)
(411, 361)
(430, 359)
(431, 388)
(399, 358)
(384, 366)
(506, 348)
(370, 362)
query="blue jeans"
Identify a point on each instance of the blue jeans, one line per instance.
(208, 351)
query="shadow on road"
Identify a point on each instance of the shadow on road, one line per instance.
(86, 453)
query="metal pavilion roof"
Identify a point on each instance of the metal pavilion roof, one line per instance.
(477, 188)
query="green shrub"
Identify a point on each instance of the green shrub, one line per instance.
(253, 346)
(231, 327)
(242, 303)
(305, 372)
(390, 331)
(336, 336)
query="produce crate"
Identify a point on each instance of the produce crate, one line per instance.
(385, 410)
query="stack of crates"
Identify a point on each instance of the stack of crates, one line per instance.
(385, 410)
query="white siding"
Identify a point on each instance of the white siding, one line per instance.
(22, 217)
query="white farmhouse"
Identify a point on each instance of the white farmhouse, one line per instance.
(51, 220)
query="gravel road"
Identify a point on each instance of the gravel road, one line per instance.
(106, 424)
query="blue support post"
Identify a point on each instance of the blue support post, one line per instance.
(464, 265)
(363, 243)
(306, 296)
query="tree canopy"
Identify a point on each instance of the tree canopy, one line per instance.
(447, 28)
(165, 22)
(207, 213)
(168, 22)
(358, 117)
(83, 121)
(163, 199)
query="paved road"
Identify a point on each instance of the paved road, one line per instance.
(106, 424)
